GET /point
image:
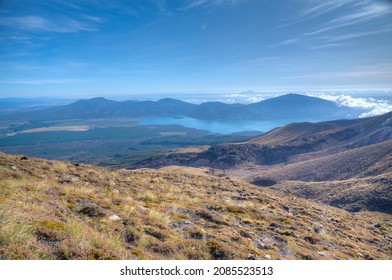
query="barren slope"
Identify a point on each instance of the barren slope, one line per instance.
(360, 162)
(362, 194)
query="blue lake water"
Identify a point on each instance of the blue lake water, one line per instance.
(223, 127)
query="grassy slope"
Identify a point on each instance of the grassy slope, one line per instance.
(57, 210)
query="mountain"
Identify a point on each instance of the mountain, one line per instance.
(60, 210)
(214, 110)
(103, 108)
(282, 107)
(293, 106)
(14, 104)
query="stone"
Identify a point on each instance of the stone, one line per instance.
(182, 224)
(377, 225)
(260, 244)
(114, 218)
(74, 179)
(141, 208)
(14, 168)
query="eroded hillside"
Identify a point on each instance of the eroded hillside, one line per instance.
(59, 210)
(357, 179)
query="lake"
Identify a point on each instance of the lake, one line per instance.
(223, 127)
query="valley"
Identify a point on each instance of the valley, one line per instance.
(127, 132)
(209, 130)
(127, 190)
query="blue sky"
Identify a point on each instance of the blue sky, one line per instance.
(88, 48)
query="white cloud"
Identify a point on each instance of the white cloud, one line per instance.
(326, 46)
(316, 11)
(246, 97)
(350, 13)
(201, 3)
(285, 42)
(254, 99)
(366, 13)
(195, 4)
(40, 81)
(93, 18)
(371, 73)
(37, 23)
(377, 111)
(336, 38)
(372, 106)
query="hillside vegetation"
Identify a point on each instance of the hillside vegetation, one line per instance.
(59, 210)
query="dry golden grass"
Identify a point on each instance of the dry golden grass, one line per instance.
(58, 210)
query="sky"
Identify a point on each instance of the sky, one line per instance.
(64, 48)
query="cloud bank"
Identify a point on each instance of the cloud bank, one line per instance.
(372, 106)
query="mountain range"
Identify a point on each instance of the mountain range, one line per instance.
(15, 104)
(281, 107)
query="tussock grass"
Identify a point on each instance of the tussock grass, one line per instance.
(15, 229)
(147, 197)
(154, 215)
